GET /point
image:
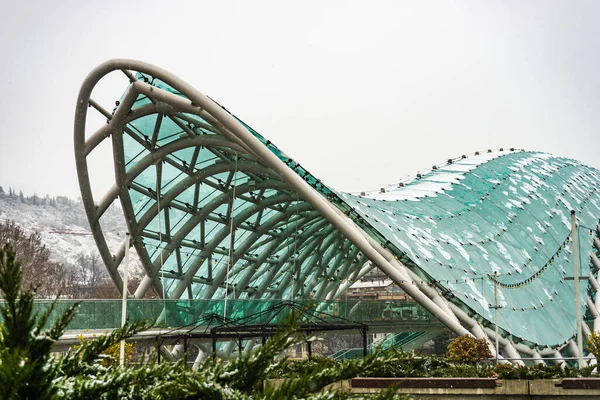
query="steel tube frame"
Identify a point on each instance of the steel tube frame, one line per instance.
(238, 137)
(248, 141)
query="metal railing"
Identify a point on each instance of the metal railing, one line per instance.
(106, 314)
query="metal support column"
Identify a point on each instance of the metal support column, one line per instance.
(214, 346)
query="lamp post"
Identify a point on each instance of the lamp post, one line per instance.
(125, 291)
(576, 286)
(496, 310)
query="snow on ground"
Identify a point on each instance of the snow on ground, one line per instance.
(62, 224)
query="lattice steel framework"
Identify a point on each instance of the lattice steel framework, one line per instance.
(215, 210)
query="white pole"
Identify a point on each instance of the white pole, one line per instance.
(346, 307)
(496, 310)
(125, 291)
(576, 282)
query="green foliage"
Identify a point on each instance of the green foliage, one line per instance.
(247, 372)
(28, 369)
(295, 368)
(390, 363)
(398, 364)
(113, 353)
(593, 344)
(539, 371)
(467, 349)
(311, 375)
(89, 355)
(240, 379)
(24, 344)
(151, 381)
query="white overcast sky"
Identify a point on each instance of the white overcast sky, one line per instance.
(360, 93)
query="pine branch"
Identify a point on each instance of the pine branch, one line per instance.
(247, 372)
(91, 350)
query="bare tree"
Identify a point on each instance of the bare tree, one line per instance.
(38, 270)
(94, 282)
(88, 279)
(106, 289)
(61, 281)
(92, 269)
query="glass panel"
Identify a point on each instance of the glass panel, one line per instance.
(513, 219)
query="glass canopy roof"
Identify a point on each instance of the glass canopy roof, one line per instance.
(499, 212)
(209, 220)
(226, 222)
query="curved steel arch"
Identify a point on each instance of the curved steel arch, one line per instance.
(437, 235)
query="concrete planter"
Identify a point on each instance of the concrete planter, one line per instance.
(471, 388)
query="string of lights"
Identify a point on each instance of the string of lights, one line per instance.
(591, 230)
(460, 280)
(538, 273)
(543, 304)
(447, 281)
(512, 218)
(432, 282)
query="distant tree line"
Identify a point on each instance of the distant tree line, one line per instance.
(87, 279)
(36, 200)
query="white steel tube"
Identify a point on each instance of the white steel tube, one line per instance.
(559, 359)
(576, 284)
(594, 306)
(125, 291)
(537, 358)
(304, 190)
(230, 127)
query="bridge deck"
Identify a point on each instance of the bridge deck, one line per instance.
(380, 316)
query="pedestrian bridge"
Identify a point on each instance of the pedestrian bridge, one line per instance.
(378, 315)
(215, 210)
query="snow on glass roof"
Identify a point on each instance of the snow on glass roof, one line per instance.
(506, 212)
(210, 219)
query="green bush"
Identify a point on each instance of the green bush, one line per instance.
(468, 349)
(296, 368)
(539, 371)
(593, 345)
(397, 364)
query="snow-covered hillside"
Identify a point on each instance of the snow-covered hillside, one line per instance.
(61, 222)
